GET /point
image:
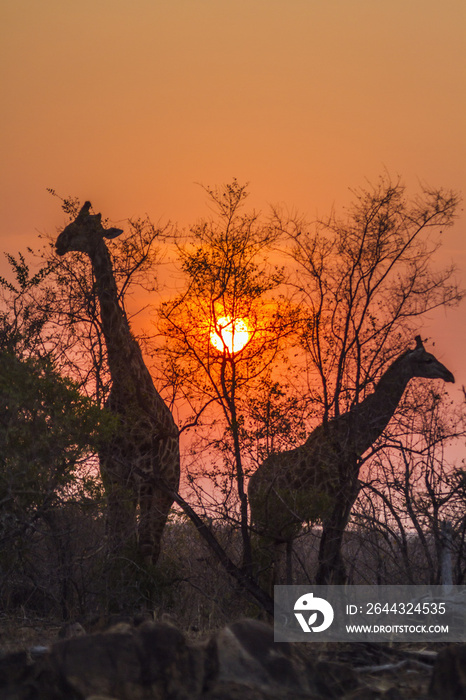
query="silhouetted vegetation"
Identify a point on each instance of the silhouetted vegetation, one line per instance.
(328, 306)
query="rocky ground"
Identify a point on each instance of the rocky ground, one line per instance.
(142, 659)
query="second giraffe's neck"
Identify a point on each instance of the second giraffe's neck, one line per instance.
(367, 421)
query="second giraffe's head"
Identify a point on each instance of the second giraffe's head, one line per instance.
(84, 233)
(423, 364)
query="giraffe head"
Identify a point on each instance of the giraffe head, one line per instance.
(84, 233)
(423, 364)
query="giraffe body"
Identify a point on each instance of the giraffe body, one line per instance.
(318, 481)
(141, 462)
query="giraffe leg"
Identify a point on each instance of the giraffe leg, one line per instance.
(121, 517)
(289, 562)
(154, 509)
(331, 568)
(280, 563)
(121, 505)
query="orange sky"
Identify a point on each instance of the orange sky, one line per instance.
(129, 103)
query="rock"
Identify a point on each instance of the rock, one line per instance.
(239, 691)
(155, 661)
(38, 651)
(101, 664)
(449, 676)
(177, 667)
(248, 655)
(15, 670)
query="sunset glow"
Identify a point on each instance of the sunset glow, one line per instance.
(136, 107)
(230, 334)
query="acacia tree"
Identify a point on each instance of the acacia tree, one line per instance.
(363, 284)
(48, 427)
(225, 338)
(59, 309)
(49, 318)
(62, 301)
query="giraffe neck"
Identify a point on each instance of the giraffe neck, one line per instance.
(364, 423)
(122, 349)
(131, 380)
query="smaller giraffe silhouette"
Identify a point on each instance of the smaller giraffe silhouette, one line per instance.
(318, 481)
(143, 456)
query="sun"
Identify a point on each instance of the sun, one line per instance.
(229, 333)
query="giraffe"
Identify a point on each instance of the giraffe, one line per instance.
(318, 480)
(143, 455)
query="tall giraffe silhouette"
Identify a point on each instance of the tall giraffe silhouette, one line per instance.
(143, 456)
(318, 481)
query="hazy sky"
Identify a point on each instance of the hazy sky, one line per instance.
(130, 103)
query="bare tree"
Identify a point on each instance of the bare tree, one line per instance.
(363, 284)
(61, 297)
(413, 496)
(225, 336)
